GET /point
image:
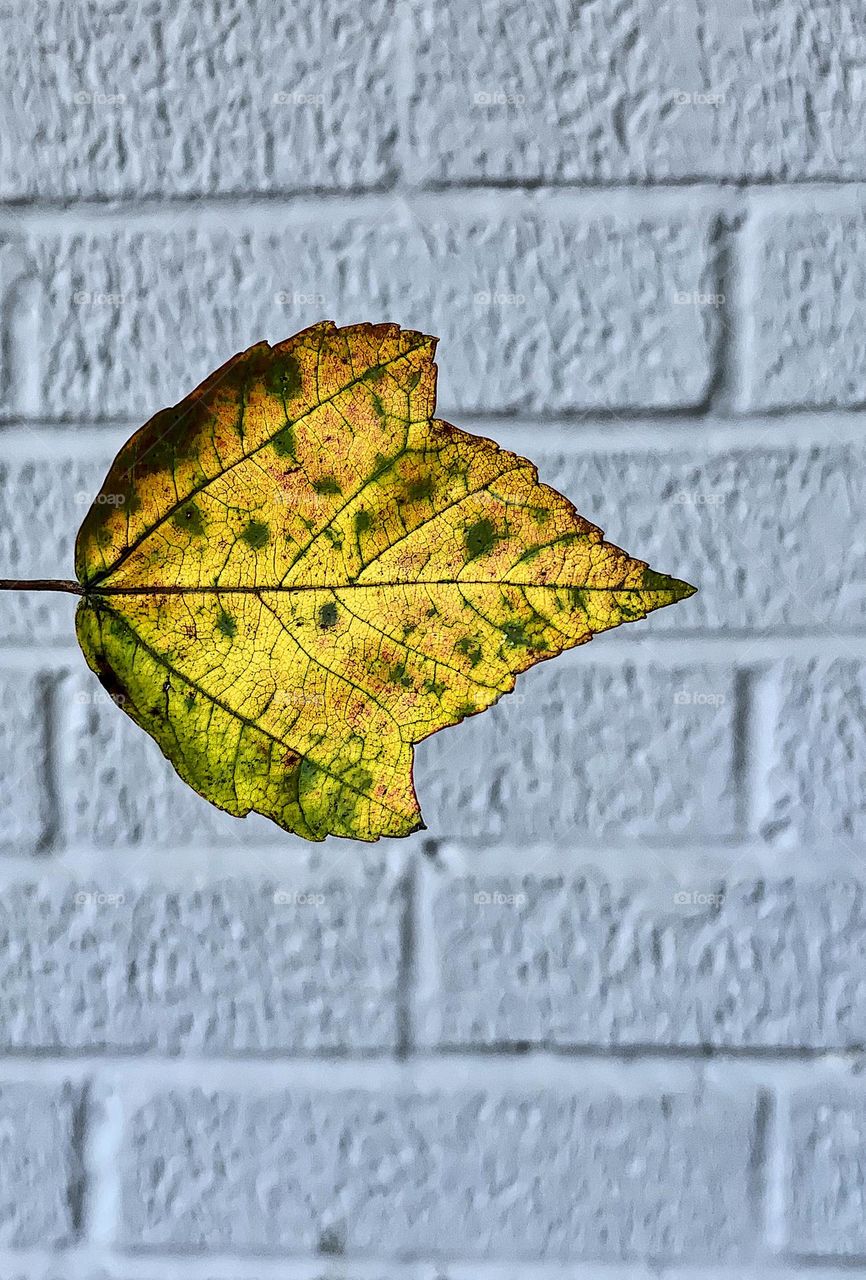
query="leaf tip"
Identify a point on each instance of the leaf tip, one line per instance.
(676, 588)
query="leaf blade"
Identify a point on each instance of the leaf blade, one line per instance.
(289, 615)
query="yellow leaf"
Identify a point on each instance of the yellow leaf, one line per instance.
(297, 573)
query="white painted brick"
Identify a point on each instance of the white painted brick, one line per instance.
(827, 1211)
(771, 537)
(527, 1175)
(132, 320)
(303, 965)
(816, 789)
(809, 312)
(146, 97)
(42, 503)
(39, 1168)
(583, 750)
(578, 961)
(26, 810)
(637, 92)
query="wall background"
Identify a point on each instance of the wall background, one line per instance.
(607, 1017)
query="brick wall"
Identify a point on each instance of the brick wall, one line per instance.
(606, 1017)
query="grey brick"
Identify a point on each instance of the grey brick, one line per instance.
(771, 537)
(145, 97)
(827, 1211)
(639, 91)
(39, 1165)
(304, 965)
(576, 961)
(534, 1174)
(42, 503)
(582, 750)
(817, 779)
(489, 286)
(808, 345)
(14, 269)
(117, 787)
(26, 811)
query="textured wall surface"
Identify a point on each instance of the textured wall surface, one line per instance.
(606, 1017)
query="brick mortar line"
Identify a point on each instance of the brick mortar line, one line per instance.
(635, 1073)
(688, 862)
(80, 1261)
(283, 210)
(446, 859)
(581, 435)
(287, 205)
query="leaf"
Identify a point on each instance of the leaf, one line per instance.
(296, 573)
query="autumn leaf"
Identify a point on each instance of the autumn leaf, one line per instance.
(297, 573)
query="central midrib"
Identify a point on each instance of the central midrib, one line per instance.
(175, 590)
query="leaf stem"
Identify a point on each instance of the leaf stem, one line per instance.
(41, 584)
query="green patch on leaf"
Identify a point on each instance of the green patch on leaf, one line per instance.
(256, 534)
(328, 615)
(515, 634)
(480, 538)
(284, 441)
(470, 648)
(189, 518)
(284, 377)
(420, 488)
(226, 625)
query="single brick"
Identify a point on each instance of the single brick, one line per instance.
(26, 805)
(40, 1176)
(490, 287)
(534, 1175)
(42, 503)
(771, 537)
(144, 97)
(576, 961)
(307, 964)
(639, 92)
(582, 750)
(815, 788)
(827, 1211)
(16, 349)
(809, 332)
